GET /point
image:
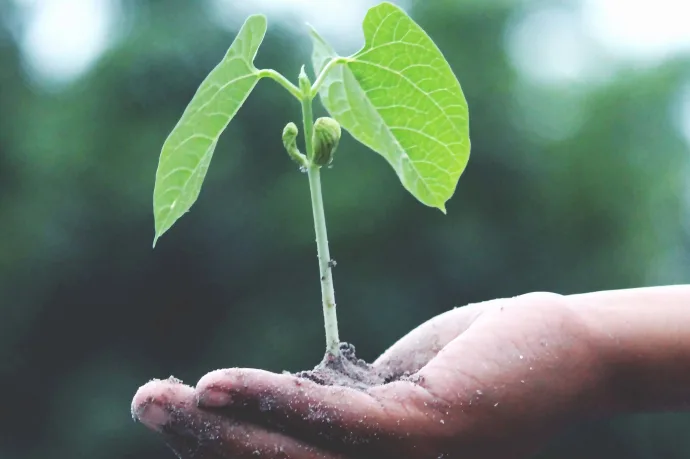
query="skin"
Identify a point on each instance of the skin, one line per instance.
(490, 380)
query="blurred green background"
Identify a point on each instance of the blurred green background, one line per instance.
(578, 181)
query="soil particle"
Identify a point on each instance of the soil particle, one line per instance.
(345, 370)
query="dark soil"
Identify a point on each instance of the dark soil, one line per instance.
(345, 370)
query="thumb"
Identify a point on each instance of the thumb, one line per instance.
(417, 348)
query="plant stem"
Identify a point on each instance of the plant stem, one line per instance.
(280, 79)
(325, 265)
(322, 76)
(327, 292)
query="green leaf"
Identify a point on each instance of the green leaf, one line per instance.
(188, 150)
(399, 97)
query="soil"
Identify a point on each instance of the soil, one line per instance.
(346, 370)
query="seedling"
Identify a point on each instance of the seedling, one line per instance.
(397, 95)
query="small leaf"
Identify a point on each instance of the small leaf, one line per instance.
(399, 97)
(188, 150)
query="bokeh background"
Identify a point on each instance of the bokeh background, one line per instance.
(578, 181)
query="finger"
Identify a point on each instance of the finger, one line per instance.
(409, 354)
(359, 423)
(170, 408)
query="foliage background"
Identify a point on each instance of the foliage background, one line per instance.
(574, 184)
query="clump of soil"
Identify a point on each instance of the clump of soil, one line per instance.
(345, 370)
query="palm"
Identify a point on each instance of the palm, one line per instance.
(487, 381)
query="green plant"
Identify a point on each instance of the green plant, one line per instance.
(397, 95)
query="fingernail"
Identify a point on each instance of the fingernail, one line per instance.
(152, 416)
(214, 398)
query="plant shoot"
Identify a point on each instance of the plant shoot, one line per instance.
(397, 95)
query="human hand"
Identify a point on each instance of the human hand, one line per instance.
(491, 380)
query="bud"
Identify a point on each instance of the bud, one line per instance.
(290, 136)
(325, 140)
(290, 143)
(304, 83)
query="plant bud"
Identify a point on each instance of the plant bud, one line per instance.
(290, 143)
(290, 136)
(325, 140)
(304, 83)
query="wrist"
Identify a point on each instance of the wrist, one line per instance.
(641, 338)
(604, 392)
(596, 375)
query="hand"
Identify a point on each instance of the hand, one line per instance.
(491, 380)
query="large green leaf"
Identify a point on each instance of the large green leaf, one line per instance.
(399, 97)
(188, 150)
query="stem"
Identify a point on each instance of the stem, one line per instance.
(284, 82)
(327, 292)
(322, 76)
(325, 266)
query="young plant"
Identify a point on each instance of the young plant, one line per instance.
(397, 95)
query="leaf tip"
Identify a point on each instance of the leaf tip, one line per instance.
(442, 208)
(385, 5)
(257, 16)
(315, 35)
